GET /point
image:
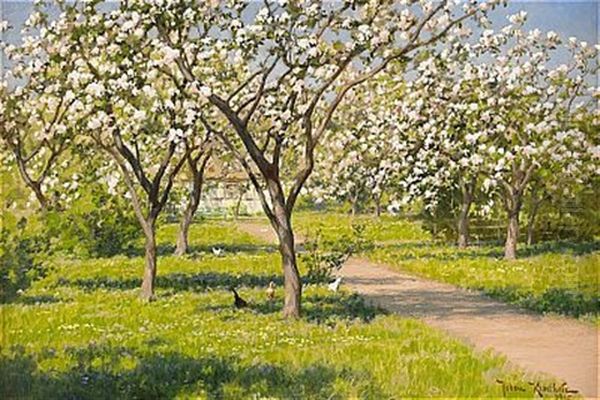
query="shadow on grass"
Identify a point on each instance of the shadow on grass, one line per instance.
(554, 300)
(197, 282)
(166, 249)
(37, 300)
(99, 374)
(317, 309)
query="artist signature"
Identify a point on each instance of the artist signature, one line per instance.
(539, 389)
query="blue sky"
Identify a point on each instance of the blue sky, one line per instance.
(567, 17)
(578, 18)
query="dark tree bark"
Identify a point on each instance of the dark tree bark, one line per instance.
(147, 289)
(278, 211)
(197, 166)
(512, 235)
(467, 190)
(292, 283)
(377, 199)
(513, 200)
(238, 204)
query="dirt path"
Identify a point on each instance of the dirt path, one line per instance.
(562, 347)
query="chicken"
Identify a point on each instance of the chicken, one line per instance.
(271, 291)
(218, 251)
(333, 286)
(238, 302)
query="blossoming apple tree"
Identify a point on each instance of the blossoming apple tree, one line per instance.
(197, 156)
(360, 161)
(130, 110)
(450, 111)
(511, 119)
(274, 73)
(37, 105)
(287, 75)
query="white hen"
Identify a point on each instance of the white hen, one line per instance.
(218, 251)
(333, 286)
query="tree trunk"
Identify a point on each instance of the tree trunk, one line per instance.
(184, 228)
(194, 202)
(281, 222)
(238, 203)
(463, 227)
(186, 221)
(147, 293)
(291, 275)
(354, 205)
(512, 232)
(531, 223)
(463, 217)
(378, 205)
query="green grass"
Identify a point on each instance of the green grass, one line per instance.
(81, 332)
(383, 229)
(207, 234)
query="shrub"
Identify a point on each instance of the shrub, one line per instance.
(107, 229)
(20, 260)
(323, 257)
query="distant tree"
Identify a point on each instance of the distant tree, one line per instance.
(197, 158)
(37, 106)
(507, 120)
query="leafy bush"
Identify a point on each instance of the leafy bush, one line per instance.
(323, 257)
(554, 300)
(107, 229)
(20, 256)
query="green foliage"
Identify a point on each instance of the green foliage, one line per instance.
(104, 228)
(322, 264)
(324, 257)
(20, 260)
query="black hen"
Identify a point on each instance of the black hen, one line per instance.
(238, 302)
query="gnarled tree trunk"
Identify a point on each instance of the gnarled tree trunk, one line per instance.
(281, 222)
(192, 206)
(147, 292)
(467, 190)
(512, 231)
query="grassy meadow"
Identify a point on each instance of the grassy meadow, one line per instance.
(82, 333)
